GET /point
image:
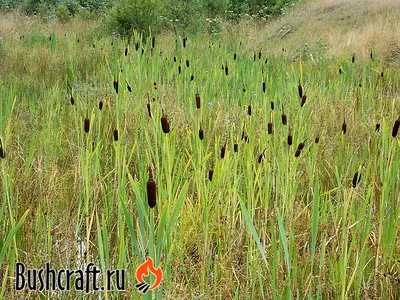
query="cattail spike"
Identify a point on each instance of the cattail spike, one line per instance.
(87, 124)
(151, 190)
(396, 127)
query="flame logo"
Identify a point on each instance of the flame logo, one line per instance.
(144, 270)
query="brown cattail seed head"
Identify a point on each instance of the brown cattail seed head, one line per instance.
(197, 101)
(87, 124)
(270, 128)
(263, 86)
(2, 152)
(187, 63)
(151, 193)
(290, 140)
(116, 85)
(344, 127)
(284, 119)
(149, 110)
(261, 157)
(340, 70)
(317, 139)
(382, 74)
(272, 105)
(377, 126)
(174, 58)
(303, 100)
(201, 134)
(129, 88)
(234, 56)
(223, 149)
(153, 42)
(297, 153)
(301, 146)
(116, 135)
(356, 179)
(126, 51)
(101, 105)
(396, 127)
(72, 100)
(353, 59)
(179, 69)
(249, 110)
(210, 174)
(300, 88)
(184, 42)
(226, 70)
(235, 147)
(165, 124)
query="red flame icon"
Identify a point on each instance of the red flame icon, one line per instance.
(144, 270)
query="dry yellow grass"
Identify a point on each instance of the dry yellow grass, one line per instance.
(343, 26)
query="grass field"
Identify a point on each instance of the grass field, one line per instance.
(293, 192)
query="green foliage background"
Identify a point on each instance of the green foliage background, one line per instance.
(145, 16)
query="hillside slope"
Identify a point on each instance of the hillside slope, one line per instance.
(354, 26)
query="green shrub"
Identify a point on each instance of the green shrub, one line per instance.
(140, 15)
(63, 13)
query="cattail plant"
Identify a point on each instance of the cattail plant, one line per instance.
(235, 147)
(72, 100)
(284, 118)
(261, 157)
(272, 105)
(290, 139)
(259, 54)
(187, 63)
(210, 174)
(370, 55)
(301, 145)
(116, 135)
(137, 46)
(197, 100)
(151, 190)
(153, 42)
(155, 85)
(100, 104)
(184, 42)
(263, 86)
(270, 128)
(201, 134)
(223, 149)
(303, 100)
(297, 153)
(87, 124)
(126, 51)
(226, 69)
(165, 124)
(382, 74)
(266, 60)
(316, 139)
(254, 57)
(249, 110)
(356, 179)
(116, 85)
(300, 89)
(377, 127)
(148, 106)
(344, 126)
(174, 58)
(128, 87)
(340, 70)
(396, 127)
(234, 56)
(2, 151)
(179, 69)
(353, 59)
